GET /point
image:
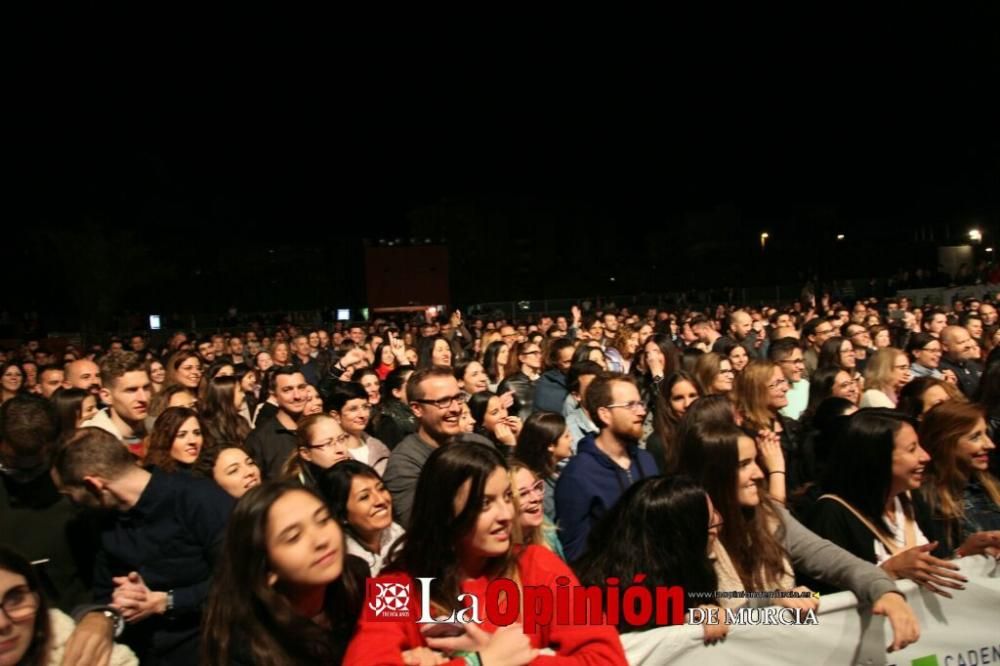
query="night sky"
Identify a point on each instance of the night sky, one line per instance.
(244, 161)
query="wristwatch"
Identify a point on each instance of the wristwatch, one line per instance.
(170, 601)
(116, 619)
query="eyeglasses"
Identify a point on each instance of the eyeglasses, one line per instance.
(794, 361)
(778, 384)
(632, 405)
(20, 603)
(848, 384)
(901, 367)
(933, 350)
(445, 403)
(824, 332)
(339, 439)
(537, 489)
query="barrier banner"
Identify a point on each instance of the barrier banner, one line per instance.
(963, 631)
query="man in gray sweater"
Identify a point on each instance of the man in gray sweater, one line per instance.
(436, 401)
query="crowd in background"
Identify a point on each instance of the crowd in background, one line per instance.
(221, 498)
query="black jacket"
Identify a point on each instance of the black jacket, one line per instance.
(171, 537)
(41, 524)
(524, 394)
(271, 444)
(392, 422)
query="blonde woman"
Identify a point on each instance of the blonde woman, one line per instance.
(887, 372)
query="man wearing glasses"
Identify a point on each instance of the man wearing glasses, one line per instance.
(815, 332)
(861, 341)
(436, 401)
(522, 383)
(604, 466)
(787, 354)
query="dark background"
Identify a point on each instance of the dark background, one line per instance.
(195, 163)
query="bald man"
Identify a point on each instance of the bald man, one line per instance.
(741, 332)
(83, 374)
(961, 356)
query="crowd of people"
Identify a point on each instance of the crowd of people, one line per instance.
(223, 499)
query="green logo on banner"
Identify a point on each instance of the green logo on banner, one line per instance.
(929, 660)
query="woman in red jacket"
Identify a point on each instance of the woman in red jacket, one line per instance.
(460, 536)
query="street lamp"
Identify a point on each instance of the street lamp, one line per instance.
(840, 236)
(975, 235)
(763, 240)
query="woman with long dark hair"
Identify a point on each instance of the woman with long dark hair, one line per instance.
(760, 544)
(288, 593)
(394, 420)
(460, 535)
(31, 633)
(867, 508)
(495, 362)
(544, 442)
(829, 382)
(838, 353)
(223, 412)
(628, 542)
(493, 421)
(73, 406)
(434, 350)
(363, 506)
(176, 440)
(677, 393)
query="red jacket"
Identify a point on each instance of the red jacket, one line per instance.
(377, 643)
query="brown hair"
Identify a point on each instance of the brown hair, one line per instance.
(752, 394)
(940, 430)
(707, 368)
(599, 394)
(414, 390)
(710, 455)
(161, 440)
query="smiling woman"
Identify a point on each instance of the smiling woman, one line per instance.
(289, 593)
(464, 554)
(964, 497)
(361, 503)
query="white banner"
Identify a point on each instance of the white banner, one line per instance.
(963, 631)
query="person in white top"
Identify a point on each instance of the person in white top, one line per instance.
(363, 506)
(348, 404)
(887, 372)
